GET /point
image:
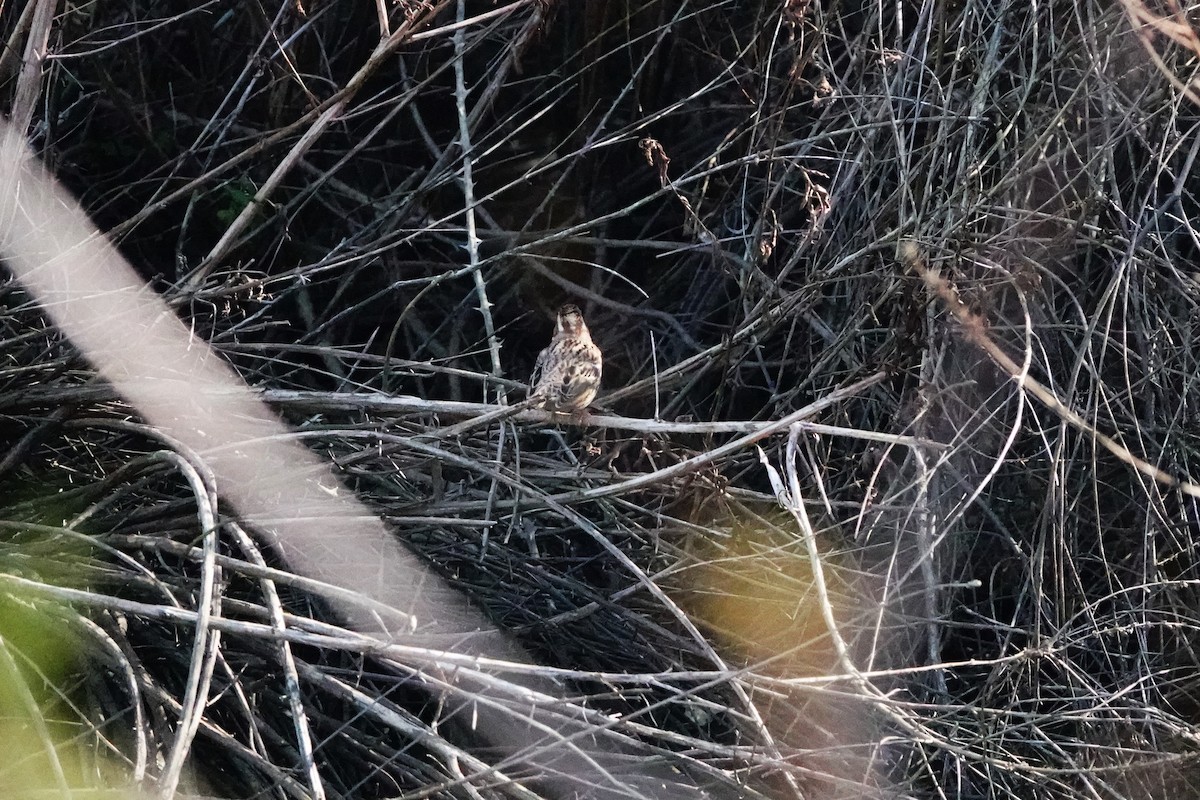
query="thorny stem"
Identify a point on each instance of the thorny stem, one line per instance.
(468, 186)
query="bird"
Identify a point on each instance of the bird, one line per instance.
(566, 376)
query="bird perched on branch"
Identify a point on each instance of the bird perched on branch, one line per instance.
(566, 376)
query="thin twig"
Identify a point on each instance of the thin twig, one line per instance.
(29, 82)
(975, 329)
(328, 112)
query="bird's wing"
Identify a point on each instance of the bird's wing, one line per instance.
(580, 380)
(539, 369)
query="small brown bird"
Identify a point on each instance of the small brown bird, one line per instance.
(566, 376)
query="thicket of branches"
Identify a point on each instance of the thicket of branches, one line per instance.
(970, 222)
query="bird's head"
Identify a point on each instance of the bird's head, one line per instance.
(570, 322)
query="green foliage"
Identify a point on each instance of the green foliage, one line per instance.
(235, 197)
(47, 746)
